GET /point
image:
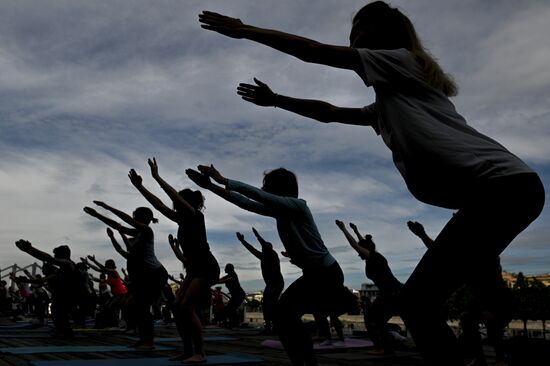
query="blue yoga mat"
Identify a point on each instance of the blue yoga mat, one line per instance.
(33, 335)
(230, 358)
(16, 326)
(76, 349)
(178, 339)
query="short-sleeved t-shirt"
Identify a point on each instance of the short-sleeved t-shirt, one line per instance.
(441, 158)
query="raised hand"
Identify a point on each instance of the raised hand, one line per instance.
(340, 224)
(240, 236)
(90, 211)
(154, 167)
(353, 226)
(92, 258)
(259, 94)
(101, 204)
(231, 27)
(171, 240)
(135, 178)
(23, 245)
(199, 179)
(213, 173)
(258, 236)
(110, 233)
(416, 228)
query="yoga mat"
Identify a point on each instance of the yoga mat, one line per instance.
(37, 335)
(75, 349)
(25, 330)
(349, 343)
(178, 339)
(16, 326)
(229, 358)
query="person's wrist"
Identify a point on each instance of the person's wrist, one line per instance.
(275, 100)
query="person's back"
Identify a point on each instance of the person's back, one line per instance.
(378, 270)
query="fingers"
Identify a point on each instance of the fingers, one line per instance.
(260, 83)
(212, 18)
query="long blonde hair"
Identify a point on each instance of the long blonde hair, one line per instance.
(388, 28)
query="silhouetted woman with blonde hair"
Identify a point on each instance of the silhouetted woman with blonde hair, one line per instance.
(443, 160)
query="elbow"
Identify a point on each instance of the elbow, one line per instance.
(326, 114)
(323, 118)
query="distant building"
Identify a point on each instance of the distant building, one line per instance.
(369, 291)
(511, 278)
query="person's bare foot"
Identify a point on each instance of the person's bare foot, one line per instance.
(195, 359)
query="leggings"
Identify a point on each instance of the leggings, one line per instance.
(269, 302)
(147, 288)
(464, 253)
(318, 290)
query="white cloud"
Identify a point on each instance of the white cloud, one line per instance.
(88, 96)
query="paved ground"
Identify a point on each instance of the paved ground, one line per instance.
(246, 341)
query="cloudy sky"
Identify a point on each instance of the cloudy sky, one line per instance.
(91, 89)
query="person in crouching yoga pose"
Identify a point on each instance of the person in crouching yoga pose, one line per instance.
(147, 274)
(192, 248)
(321, 287)
(444, 161)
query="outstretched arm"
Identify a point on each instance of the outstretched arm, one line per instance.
(110, 222)
(251, 249)
(272, 203)
(137, 181)
(124, 217)
(90, 265)
(304, 49)
(237, 199)
(27, 247)
(101, 267)
(260, 94)
(418, 230)
(170, 191)
(116, 245)
(175, 245)
(351, 240)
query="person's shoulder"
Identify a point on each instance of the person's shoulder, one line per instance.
(394, 56)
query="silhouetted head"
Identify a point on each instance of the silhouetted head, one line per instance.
(281, 182)
(367, 243)
(62, 252)
(229, 268)
(267, 245)
(378, 26)
(194, 198)
(110, 264)
(144, 215)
